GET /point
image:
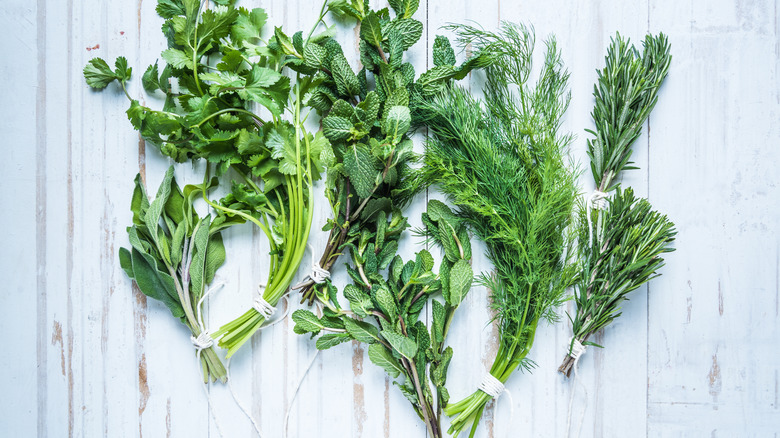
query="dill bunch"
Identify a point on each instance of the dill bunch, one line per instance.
(620, 242)
(502, 162)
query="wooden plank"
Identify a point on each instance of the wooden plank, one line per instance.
(696, 359)
(713, 153)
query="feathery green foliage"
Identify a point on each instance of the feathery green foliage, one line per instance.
(411, 353)
(174, 254)
(620, 247)
(502, 162)
(368, 118)
(626, 92)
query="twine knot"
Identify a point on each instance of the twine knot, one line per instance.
(491, 386)
(203, 341)
(577, 349)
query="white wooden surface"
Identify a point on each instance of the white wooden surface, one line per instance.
(694, 355)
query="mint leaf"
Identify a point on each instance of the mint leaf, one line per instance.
(403, 345)
(461, 277)
(382, 357)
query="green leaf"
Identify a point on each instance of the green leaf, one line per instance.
(397, 122)
(461, 277)
(170, 8)
(98, 74)
(336, 128)
(448, 242)
(197, 266)
(346, 81)
(215, 257)
(266, 87)
(176, 243)
(249, 143)
(126, 262)
(315, 56)
(282, 144)
(374, 206)
(407, 30)
(405, 8)
(139, 203)
(331, 340)
(154, 283)
(359, 166)
(362, 331)
(177, 59)
(386, 302)
(306, 322)
(359, 302)
(442, 52)
(154, 213)
(439, 315)
(382, 357)
(425, 260)
(371, 30)
(403, 345)
(248, 25)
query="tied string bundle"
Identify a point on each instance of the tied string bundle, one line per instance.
(265, 309)
(576, 351)
(493, 387)
(596, 201)
(319, 276)
(204, 341)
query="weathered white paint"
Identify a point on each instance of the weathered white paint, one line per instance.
(695, 354)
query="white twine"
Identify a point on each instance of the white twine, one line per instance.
(493, 387)
(267, 311)
(262, 306)
(202, 342)
(576, 351)
(318, 307)
(318, 274)
(597, 201)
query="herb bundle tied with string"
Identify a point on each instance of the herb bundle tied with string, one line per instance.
(621, 238)
(235, 108)
(502, 161)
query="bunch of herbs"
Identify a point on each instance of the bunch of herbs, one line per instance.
(620, 246)
(411, 353)
(502, 162)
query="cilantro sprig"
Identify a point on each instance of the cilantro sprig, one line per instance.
(220, 69)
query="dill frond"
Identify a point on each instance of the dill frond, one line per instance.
(502, 161)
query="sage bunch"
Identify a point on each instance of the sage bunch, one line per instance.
(174, 255)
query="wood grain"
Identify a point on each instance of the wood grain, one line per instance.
(695, 354)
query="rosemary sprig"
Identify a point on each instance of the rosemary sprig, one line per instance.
(620, 246)
(502, 162)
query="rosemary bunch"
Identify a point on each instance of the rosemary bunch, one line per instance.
(502, 162)
(174, 254)
(620, 244)
(384, 308)
(368, 118)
